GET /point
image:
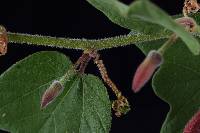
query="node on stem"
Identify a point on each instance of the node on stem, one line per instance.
(3, 40)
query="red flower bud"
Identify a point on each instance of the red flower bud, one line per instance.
(193, 126)
(146, 69)
(3, 41)
(188, 23)
(51, 93)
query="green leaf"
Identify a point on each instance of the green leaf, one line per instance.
(147, 11)
(82, 107)
(177, 83)
(117, 12)
(142, 15)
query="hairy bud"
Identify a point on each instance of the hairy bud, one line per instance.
(146, 70)
(51, 93)
(193, 126)
(188, 23)
(3, 41)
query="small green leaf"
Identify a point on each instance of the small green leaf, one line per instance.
(177, 83)
(82, 107)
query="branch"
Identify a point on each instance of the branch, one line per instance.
(82, 44)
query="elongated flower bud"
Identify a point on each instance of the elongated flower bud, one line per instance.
(51, 93)
(3, 41)
(188, 23)
(146, 69)
(193, 126)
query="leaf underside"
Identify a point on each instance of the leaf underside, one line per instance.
(82, 107)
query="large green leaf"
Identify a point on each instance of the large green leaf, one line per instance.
(82, 107)
(139, 14)
(116, 11)
(177, 82)
(147, 11)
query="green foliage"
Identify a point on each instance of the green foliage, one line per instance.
(117, 12)
(82, 107)
(144, 11)
(147, 11)
(177, 83)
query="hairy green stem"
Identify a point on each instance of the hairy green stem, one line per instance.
(82, 44)
(168, 43)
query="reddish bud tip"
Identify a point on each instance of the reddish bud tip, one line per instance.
(193, 125)
(3, 41)
(51, 93)
(188, 23)
(146, 69)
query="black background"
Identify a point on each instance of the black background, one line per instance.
(78, 19)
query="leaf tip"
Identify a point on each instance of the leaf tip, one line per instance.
(196, 51)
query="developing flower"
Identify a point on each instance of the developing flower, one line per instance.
(51, 93)
(188, 23)
(190, 6)
(3, 41)
(193, 125)
(146, 69)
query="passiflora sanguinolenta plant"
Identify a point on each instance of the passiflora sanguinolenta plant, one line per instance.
(61, 98)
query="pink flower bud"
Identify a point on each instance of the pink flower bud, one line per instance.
(188, 23)
(193, 126)
(51, 93)
(146, 69)
(3, 41)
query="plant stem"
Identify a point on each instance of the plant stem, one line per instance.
(167, 44)
(82, 44)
